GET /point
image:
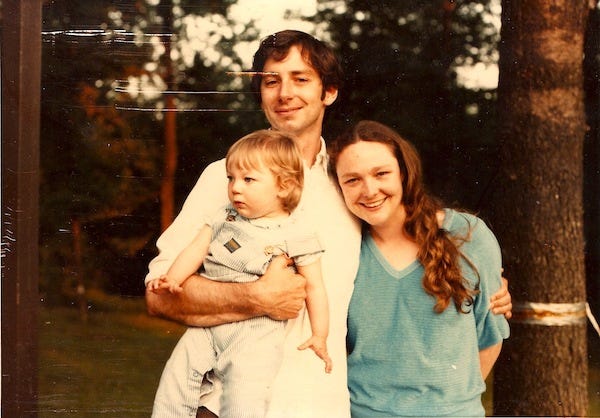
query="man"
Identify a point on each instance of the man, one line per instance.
(298, 78)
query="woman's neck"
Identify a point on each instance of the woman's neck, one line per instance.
(389, 237)
(398, 248)
(392, 230)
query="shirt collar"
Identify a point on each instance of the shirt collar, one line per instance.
(322, 158)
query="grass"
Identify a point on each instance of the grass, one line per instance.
(110, 365)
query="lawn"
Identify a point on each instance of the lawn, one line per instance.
(107, 367)
(110, 366)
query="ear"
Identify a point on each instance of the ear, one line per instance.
(284, 189)
(330, 96)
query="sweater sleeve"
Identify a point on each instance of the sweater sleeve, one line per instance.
(484, 252)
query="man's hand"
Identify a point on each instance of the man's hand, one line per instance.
(501, 301)
(280, 292)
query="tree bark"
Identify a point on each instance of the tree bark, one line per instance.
(167, 187)
(538, 213)
(591, 163)
(21, 67)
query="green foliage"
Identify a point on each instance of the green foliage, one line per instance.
(400, 60)
(102, 148)
(103, 144)
(98, 165)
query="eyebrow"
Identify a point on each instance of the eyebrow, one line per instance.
(371, 170)
(350, 174)
(252, 73)
(307, 71)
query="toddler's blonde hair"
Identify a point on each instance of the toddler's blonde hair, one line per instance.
(278, 153)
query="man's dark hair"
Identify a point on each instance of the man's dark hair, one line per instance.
(316, 53)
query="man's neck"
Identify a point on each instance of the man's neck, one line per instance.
(309, 147)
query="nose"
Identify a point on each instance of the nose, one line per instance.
(369, 187)
(234, 185)
(286, 90)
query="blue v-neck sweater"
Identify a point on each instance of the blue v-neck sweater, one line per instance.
(405, 359)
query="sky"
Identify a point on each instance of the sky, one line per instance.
(268, 14)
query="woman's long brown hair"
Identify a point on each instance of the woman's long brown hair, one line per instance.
(438, 252)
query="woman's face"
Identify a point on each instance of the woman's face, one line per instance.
(369, 177)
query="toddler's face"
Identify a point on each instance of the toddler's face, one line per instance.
(255, 192)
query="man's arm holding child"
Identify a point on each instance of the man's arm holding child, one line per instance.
(278, 294)
(501, 301)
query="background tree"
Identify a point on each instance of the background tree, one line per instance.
(538, 206)
(591, 150)
(401, 61)
(165, 25)
(107, 80)
(128, 78)
(89, 159)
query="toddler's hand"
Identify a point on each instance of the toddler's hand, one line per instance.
(163, 285)
(319, 346)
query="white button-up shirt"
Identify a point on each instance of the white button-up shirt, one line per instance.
(302, 388)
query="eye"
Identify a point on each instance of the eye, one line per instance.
(350, 181)
(248, 179)
(269, 82)
(229, 178)
(382, 173)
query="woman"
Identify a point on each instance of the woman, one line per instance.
(421, 339)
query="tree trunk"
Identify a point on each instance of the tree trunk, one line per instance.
(538, 207)
(20, 152)
(591, 163)
(78, 269)
(167, 187)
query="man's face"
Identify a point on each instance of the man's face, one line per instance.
(291, 97)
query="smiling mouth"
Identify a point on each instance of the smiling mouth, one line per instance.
(287, 110)
(373, 205)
